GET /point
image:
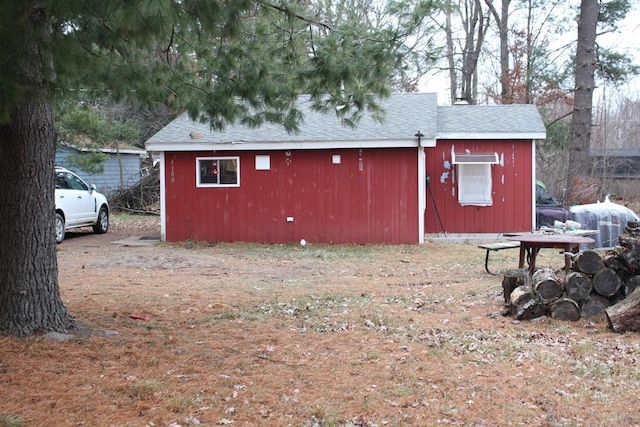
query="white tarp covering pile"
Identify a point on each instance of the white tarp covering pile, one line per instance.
(610, 219)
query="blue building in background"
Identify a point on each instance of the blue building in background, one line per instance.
(121, 169)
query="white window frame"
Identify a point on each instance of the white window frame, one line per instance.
(199, 182)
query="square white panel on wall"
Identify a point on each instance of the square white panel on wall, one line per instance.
(336, 159)
(263, 163)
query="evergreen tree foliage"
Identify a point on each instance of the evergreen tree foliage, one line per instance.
(223, 62)
(88, 129)
(230, 62)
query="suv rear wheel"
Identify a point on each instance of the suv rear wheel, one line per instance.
(59, 228)
(102, 224)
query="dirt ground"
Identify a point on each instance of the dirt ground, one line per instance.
(284, 335)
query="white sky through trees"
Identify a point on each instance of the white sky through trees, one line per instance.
(625, 41)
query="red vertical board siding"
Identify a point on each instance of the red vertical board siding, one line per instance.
(512, 188)
(370, 196)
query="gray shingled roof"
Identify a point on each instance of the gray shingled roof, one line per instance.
(512, 119)
(406, 114)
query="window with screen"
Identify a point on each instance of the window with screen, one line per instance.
(474, 177)
(474, 184)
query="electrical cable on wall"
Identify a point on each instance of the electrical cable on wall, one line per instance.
(419, 135)
(435, 208)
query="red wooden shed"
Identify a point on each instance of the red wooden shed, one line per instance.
(482, 170)
(424, 170)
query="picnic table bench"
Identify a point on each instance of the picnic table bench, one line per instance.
(531, 243)
(495, 247)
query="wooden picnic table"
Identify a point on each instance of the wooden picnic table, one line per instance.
(531, 243)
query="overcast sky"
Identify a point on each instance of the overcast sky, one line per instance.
(626, 41)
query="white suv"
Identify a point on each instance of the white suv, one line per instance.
(78, 205)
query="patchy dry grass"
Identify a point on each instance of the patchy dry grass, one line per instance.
(324, 335)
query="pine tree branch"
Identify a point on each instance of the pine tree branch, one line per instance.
(296, 15)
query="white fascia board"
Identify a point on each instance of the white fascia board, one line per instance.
(292, 145)
(114, 151)
(428, 142)
(109, 150)
(492, 135)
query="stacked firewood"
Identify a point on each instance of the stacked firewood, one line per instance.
(600, 283)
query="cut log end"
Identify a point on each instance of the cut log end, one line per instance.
(547, 285)
(588, 262)
(524, 305)
(625, 315)
(513, 279)
(565, 309)
(578, 286)
(606, 282)
(631, 284)
(594, 306)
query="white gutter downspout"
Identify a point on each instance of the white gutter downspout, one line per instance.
(422, 193)
(533, 181)
(163, 201)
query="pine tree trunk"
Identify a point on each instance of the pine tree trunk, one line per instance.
(29, 294)
(583, 99)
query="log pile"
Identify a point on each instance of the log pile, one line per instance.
(598, 284)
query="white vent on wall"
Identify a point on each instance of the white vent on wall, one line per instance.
(263, 163)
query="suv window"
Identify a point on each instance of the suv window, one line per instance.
(69, 181)
(61, 183)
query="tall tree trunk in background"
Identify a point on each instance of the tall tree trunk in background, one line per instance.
(475, 30)
(578, 170)
(502, 22)
(464, 86)
(529, 71)
(29, 294)
(453, 78)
